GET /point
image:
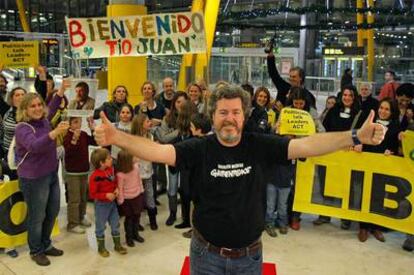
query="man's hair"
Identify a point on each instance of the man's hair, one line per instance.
(85, 87)
(202, 122)
(391, 72)
(248, 88)
(99, 155)
(229, 92)
(72, 118)
(301, 73)
(406, 89)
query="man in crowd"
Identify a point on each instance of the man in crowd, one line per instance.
(390, 87)
(227, 177)
(166, 96)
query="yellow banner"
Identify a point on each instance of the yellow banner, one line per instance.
(364, 187)
(13, 212)
(296, 122)
(19, 54)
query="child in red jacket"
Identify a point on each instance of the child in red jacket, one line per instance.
(103, 189)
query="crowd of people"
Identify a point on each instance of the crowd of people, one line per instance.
(123, 182)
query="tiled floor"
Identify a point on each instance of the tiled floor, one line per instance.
(312, 250)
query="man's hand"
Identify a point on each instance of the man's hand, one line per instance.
(371, 133)
(106, 132)
(42, 71)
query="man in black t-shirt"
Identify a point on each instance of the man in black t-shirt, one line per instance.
(226, 173)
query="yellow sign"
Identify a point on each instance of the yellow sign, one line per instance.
(19, 54)
(366, 187)
(408, 146)
(296, 122)
(13, 211)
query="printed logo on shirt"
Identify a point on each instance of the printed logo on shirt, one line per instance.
(230, 170)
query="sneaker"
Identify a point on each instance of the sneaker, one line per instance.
(321, 220)
(295, 224)
(12, 253)
(77, 230)
(283, 230)
(345, 224)
(408, 244)
(85, 222)
(40, 259)
(362, 235)
(140, 227)
(54, 252)
(270, 230)
(188, 234)
(378, 235)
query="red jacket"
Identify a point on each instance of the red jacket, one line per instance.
(102, 182)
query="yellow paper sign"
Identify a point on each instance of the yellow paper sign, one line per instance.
(365, 187)
(296, 122)
(408, 146)
(19, 54)
(13, 212)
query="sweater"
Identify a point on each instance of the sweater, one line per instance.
(77, 155)
(129, 184)
(41, 159)
(102, 182)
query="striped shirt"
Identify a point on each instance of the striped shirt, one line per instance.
(8, 127)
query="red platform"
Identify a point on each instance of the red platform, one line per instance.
(268, 268)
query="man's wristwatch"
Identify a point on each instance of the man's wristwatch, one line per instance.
(355, 138)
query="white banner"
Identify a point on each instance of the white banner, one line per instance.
(140, 35)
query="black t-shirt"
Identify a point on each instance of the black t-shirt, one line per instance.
(228, 185)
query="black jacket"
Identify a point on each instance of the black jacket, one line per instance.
(333, 121)
(366, 106)
(282, 86)
(390, 141)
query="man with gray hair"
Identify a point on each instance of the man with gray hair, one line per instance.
(166, 96)
(227, 176)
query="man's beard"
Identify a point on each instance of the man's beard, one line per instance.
(229, 138)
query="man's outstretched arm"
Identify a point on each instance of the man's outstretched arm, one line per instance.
(324, 143)
(143, 148)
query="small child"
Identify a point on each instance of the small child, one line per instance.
(200, 126)
(103, 189)
(76, 144)
(130, 197)
(124, 124)
(141, 126)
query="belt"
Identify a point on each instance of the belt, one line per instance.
(232, 253)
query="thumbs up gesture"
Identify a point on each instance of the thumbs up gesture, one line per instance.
(371, 133)
(106, 132)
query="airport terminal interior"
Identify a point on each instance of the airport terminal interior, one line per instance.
(338, 47)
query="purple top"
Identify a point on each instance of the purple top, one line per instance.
(54, 105)
(42, 157)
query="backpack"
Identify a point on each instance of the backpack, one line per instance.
(12, 160)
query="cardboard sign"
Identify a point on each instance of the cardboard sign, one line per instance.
(366, 187)
(19, 54)
(140, 35)
(296, 122)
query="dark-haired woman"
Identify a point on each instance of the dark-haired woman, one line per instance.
(341, 118)
(387, 115)
(112, 109)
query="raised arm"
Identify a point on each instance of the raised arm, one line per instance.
(324, 143)
(281, 85)
(143, 148)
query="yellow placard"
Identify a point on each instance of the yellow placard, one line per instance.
(296, 122)
(408, 146)
(365, 187)
(19, 54)
(13, 211)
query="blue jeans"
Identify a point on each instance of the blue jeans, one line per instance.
(42, 196)
(204, 262)
(279, 194)
(106, 212)
(173, 181)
